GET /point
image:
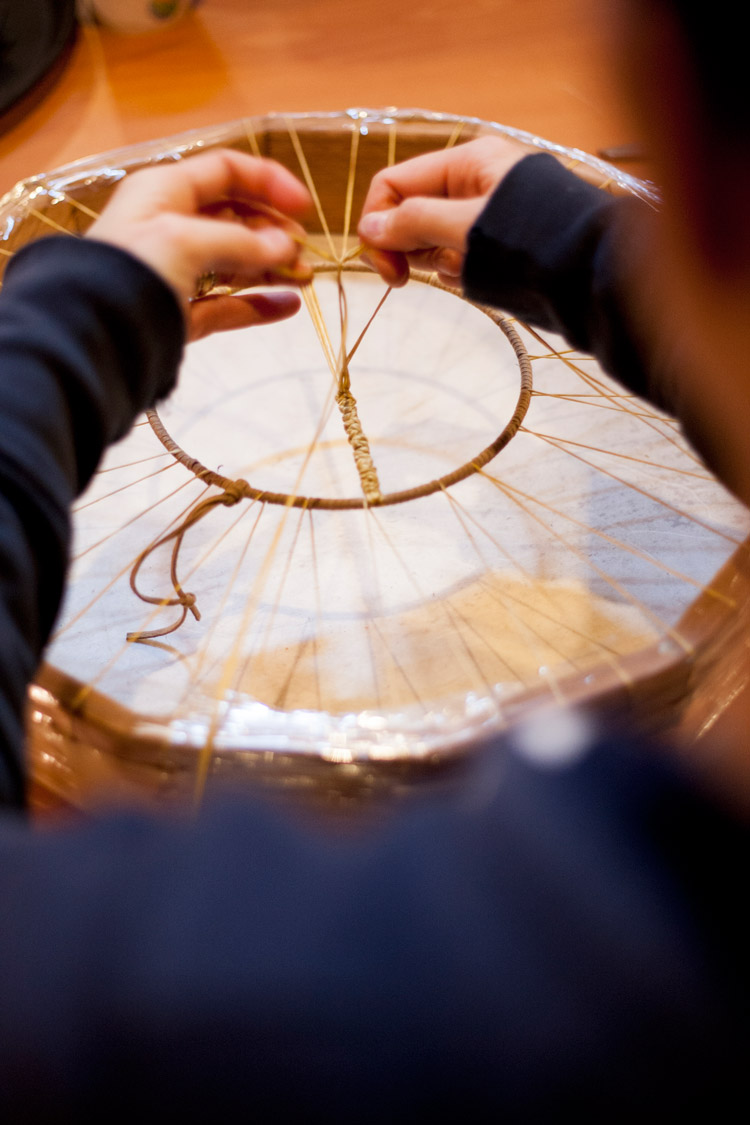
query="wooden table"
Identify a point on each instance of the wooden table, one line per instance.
(540, 65)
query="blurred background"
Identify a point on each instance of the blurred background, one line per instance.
(77, 79)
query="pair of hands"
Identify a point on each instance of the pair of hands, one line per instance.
(237, 216)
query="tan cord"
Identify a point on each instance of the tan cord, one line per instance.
(368, 476)
(231, 495)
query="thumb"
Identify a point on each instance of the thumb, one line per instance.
(420, 223)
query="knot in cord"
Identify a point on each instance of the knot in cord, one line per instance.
(234, 490)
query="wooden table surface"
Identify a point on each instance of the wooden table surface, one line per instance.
(540, 65)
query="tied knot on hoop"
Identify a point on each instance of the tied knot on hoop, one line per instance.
(234, 491)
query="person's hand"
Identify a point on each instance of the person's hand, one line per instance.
(420, 212)
(223, 214)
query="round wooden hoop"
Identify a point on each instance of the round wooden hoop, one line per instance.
(242, 490)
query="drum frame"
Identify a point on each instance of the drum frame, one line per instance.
(134, 756)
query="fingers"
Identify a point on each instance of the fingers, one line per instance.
(234, 175)
(462, 172)
(224, 313)
(420, 212)
(428, 234)
(184, 248)
(221, 212)
(423, 175)
(392, 267)
(199, 182)
(421, 223)
(448, 264)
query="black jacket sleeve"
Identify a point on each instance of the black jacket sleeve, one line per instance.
(547, 249)
(88, 338)
(565, 256)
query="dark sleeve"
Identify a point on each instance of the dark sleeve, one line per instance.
(565, 256)
(88, 338)
(563, 940)
(547, 248)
